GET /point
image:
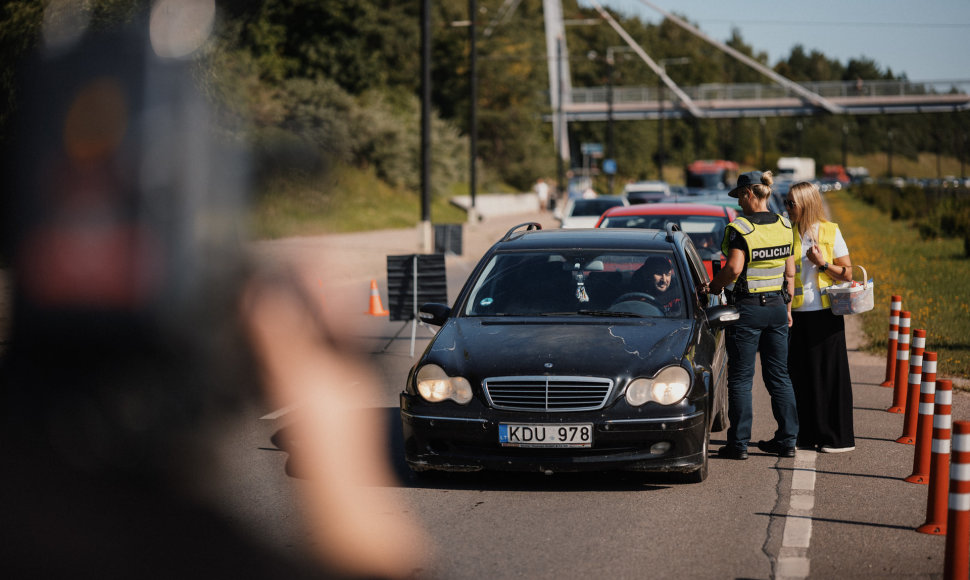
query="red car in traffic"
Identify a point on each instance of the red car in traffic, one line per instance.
(703, 223)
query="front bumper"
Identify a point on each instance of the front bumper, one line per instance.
(441, 442)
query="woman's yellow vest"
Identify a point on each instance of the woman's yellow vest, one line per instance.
(826, 242)
(769, 246)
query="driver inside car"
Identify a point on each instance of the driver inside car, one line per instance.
(656, 277)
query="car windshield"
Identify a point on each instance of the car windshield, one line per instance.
(705, 231)
(578, 283)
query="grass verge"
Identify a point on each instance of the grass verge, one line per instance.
(345, 200)
(931, 276)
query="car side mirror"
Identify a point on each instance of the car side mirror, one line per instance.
(722, 315)
(434, 313)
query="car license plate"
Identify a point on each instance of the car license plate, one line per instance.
(551, 435)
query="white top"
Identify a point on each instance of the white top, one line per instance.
(812, 297)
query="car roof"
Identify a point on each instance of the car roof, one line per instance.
(587, 238)
(598, 199)
(668, 209)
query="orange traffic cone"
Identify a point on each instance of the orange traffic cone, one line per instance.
(376, 308)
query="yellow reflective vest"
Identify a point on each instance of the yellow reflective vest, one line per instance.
(769, 245)
(826, 242)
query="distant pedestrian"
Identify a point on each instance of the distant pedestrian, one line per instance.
(542, 193)
(817, 359)
(759, 279)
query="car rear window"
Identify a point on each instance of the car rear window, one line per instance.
(578, 283)
(705, 231)
(593, 207)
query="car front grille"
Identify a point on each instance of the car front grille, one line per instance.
(548, 393)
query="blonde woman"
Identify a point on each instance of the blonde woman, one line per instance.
(817, 360)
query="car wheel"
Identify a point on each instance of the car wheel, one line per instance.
(700, 474)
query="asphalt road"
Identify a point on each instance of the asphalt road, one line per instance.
(819, 516)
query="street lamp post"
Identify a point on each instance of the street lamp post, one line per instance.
(845, 141)
(963, 157)
(890, 156)
(610, 81)
(662, 63)
(611, 71)
(798, 127)
(761, 124)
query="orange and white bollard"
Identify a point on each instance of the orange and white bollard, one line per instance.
(936, 501)
(912, 393)
(902, 365)
(895, 305)
(924, 427)
(956, 562)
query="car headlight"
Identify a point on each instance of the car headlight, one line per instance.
(435, 386)
(668, 387)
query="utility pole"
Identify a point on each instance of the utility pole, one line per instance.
(426, 242)
(561, 185)
(472, 107)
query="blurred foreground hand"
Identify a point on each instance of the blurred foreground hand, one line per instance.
(358, 527)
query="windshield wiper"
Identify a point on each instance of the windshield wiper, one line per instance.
(610, 313)
(568, 313)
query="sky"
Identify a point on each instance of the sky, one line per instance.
(924, 39)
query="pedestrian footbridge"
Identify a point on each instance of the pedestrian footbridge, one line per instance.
(719, 101)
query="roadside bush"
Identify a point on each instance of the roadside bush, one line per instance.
(909, 203)
(935, 212)
(879, 196)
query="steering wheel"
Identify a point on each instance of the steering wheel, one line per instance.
(636, 297)
(639, 303)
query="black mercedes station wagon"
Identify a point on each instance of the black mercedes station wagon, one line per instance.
(573, 350)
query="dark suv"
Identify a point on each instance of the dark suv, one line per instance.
(566, 351)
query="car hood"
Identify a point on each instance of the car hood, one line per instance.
(485, 347)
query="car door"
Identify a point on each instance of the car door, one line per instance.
(713, 339)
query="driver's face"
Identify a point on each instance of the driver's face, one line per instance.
(661, 281)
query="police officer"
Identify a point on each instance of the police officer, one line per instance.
(758, 278)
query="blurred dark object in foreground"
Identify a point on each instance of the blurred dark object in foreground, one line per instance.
(126, 355)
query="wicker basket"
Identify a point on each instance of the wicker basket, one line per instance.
(851, 297)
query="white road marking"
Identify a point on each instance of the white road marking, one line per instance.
(793, 562)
